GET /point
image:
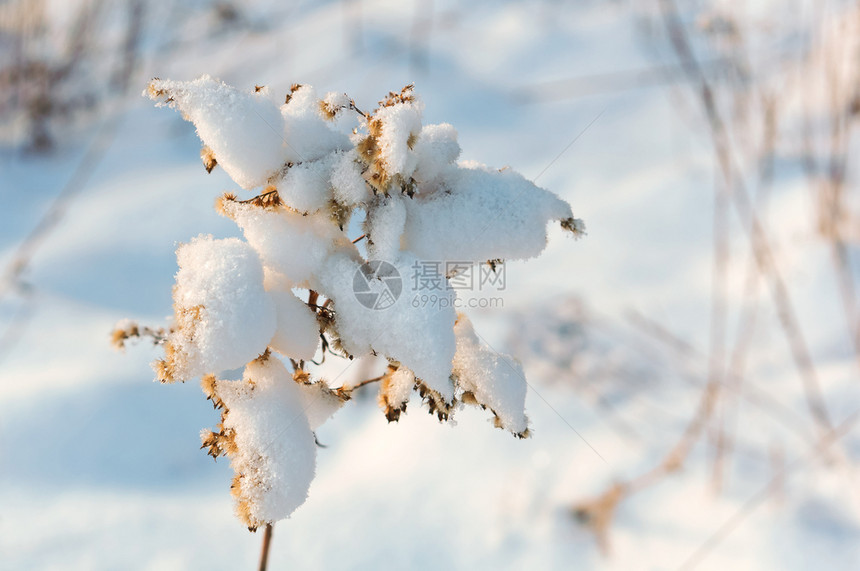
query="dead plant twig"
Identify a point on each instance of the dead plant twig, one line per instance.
(264, 550)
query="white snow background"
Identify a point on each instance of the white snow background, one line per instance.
(100, 466)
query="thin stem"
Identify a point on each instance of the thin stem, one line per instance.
(258, 197)
(264, 551)
(747, 320)
(367, 382)
(355, 108)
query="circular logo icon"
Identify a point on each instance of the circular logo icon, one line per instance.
(377, 284)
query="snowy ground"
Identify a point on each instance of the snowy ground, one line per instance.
(100, 467)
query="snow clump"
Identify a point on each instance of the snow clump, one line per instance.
(299, 288)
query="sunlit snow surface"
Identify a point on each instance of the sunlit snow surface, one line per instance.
(100, 466)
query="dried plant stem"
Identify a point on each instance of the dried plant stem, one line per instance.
(777, 411)
(719, 287)
(264, 550)
(75, 185)
(17, 324)
(773, 486)
(674, 460)
(598, 512)
(828, 184)
(832, 191)
(777, 463)
(366, 382)
(751, 223)
(259, 197)
(747, 320)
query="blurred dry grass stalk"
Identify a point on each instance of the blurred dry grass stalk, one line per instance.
(62, 63)
(744, 113)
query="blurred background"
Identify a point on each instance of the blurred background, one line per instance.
(693, 363)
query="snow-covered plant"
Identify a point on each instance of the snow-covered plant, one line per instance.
(311, 165)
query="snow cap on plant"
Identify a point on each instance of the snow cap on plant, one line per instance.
(237, 304)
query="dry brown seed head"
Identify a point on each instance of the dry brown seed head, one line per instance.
(390, 408)
(264, 356)
(405, 95)
(408, 187)
(374, 127)
(221, 203)
(338, 213)
(574, 226)
(293, 88)
(207, 383)
(468, 397)
(162, 371)
(208, 158)
(117, 339)
(367, 148)
(328, 110)
(212, 441)
(270, 200)
(243, 511)
(228, 442)
(378, 177)
(598, 513)
(435, 402)
(154, 92)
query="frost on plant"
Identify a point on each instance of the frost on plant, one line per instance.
(312, 163)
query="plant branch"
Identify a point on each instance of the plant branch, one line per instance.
(264, 550)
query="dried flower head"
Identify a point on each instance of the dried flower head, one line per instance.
(208, 158)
